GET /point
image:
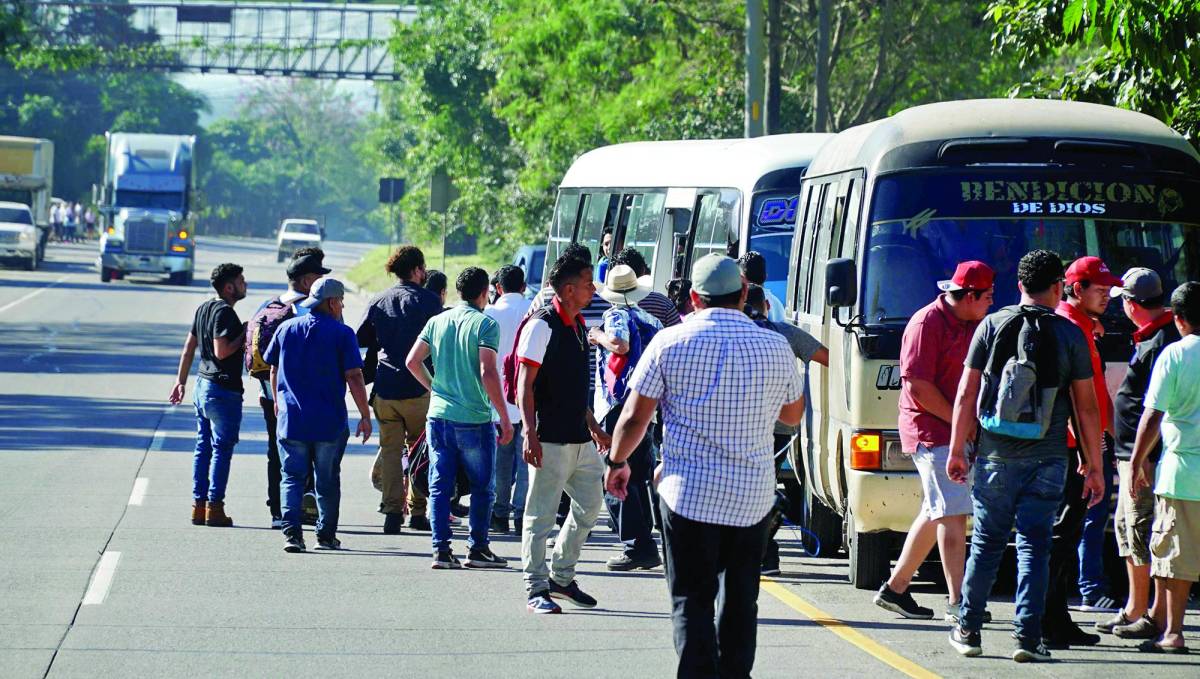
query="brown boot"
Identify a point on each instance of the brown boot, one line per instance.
(199, 509)
(217, 517)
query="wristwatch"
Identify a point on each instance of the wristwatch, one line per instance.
(609, 462)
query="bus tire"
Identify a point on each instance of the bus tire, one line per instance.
(822, 527)
(870, 556)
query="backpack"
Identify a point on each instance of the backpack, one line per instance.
(1021, 381)
(620, 366)
(259, 331)
(509, 368)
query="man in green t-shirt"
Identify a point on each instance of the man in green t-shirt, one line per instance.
(1173, 408)
(464, 386)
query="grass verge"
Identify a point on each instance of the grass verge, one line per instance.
(370, 276)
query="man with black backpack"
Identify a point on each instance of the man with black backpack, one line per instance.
(1022, 361)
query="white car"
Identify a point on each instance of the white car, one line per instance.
(18, 235)
(298, 233)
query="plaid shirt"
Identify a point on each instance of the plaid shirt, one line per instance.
(721, 381)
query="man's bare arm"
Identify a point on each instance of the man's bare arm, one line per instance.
(416, 364)
(930, 398)
(185, 368)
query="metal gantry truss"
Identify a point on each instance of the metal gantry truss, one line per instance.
(315, 40)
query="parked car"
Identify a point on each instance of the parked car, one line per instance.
(298, 233)
(19, 237)
(532, 260)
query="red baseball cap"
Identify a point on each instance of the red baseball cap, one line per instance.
(1092, 270)
(970, 275)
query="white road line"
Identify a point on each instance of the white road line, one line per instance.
(139, 491)
(33, 294)
(160, 437)
(102, 579)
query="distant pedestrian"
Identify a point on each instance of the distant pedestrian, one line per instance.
(465, 387)
(313, 359)
(606, 252)
(1033, 368)
(561, 437)
(1173, 408)
(390, 326)
(932, 353)
(718, 479)
(437, 283)
(56, 221)
(1142, 301)
(654, 303)
(679, 291)
(511, 471)
(754, 267)
(220, 336)
(89, 219)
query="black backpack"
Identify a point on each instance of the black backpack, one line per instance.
(1021, 380)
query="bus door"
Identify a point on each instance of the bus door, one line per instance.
(714, 226)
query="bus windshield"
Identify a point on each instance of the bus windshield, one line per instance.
(923, 226)
(149, 200)
(773, 223)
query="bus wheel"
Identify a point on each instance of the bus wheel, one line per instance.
(822, 527)
(869, 555)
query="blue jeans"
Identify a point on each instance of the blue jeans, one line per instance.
(218, 421)
(473, 446)
(324, 458)
(511, 478)
(1025, 492)
(1092, 580)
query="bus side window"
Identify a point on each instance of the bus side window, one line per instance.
(596, 215)
(812, 214)
(711, 231)
(645, 219)
(846, 245)
(830, 204)
(566, 216)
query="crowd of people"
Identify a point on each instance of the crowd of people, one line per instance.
(546, 407)
(71, 222)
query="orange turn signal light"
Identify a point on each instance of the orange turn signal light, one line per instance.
(866, 451)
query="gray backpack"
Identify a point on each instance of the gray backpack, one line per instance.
(1021, 381)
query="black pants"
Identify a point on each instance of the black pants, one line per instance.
(634, 516)
(274, 468)
(712, 572)
(1064, 551)
(771, 555)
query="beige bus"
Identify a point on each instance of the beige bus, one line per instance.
(889, 208)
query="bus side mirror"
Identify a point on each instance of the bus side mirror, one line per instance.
(841, 281)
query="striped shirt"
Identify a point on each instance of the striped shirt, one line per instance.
(661, 307)
(721, 381)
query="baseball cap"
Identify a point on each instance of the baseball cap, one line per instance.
(1092, 270)
(323, 289)
(1140, 285)
(714, 275)
(306, 264)
(970, 275)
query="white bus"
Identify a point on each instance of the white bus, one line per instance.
(678, 200)
(890, 207)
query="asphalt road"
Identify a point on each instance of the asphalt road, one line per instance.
(101, 573)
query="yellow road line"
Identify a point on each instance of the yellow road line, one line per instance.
(846, 632)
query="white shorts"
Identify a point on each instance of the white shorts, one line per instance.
(943, 497)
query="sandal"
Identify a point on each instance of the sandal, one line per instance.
(1152, 646)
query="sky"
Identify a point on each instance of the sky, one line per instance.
(224, 92)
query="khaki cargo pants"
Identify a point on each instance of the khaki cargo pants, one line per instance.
(400, 425)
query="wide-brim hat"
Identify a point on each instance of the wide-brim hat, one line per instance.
(623, 286)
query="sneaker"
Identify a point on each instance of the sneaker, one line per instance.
(445, 560)
(1029, 650)
(952, 613)
(332, 544)
(484, 558)
(419, 522)
(293, 544)
(625, 562)
(542, 603)
(392, 523)
(1097, 604)
(969, 644)
(1067, 635)
(571, 593)
(903, 604)
(455, 521)
(499, 525)
(276, 523)
(308, 510)
(459, 509)
(1142, 628)
(1118, 620)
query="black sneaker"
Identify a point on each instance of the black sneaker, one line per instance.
(542, 603)
(499, 525)
(308, 510)
(952, 613)
(484, 558)
(332, 544)
(1029, 650)
(625, 562)
(459, 509)
(419, 522)
(445, 560)
(770, 568)
(903, 604)
(1066, 635)
(276, 523)
(571, 593)
(393, 522)
(969, 644)
(293, 544)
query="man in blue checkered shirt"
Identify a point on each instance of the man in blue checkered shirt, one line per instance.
(722, 383)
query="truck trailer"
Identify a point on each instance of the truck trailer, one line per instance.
(27, 178)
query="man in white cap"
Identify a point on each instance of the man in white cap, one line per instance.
(622, 342)
(718, 481)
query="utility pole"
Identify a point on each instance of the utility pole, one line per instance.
(754, 68)
(771, 116)
(821, 77)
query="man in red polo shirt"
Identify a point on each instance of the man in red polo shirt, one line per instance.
(932, 354)
(1089, 283)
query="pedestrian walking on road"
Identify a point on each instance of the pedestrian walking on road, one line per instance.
(561, 437)
(511, 472)
(1172, 408)
(392, 322)
(465, 387)
(1033, 369)
(932, 352)
(1142, 301)
(313, 359)
(718, 480)
(220, 336)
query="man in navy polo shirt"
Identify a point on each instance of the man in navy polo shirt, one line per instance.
(313, 357)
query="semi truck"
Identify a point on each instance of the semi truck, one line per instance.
(146, 207)
(26, 178)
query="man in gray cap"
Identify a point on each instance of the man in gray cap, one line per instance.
(313, 358)
(1142, 300)
(717, 487)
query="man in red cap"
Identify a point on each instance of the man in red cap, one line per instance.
(932, 354)
(1088, 286)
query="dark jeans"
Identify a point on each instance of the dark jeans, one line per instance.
(454, 446)
(298, 457)
(1025, 492)
(218, 423)
(1064, 556)
(633, 516)
(712, 573)
(274, 469)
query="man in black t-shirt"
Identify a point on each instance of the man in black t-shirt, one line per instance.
(220, 335)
